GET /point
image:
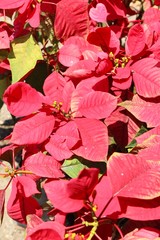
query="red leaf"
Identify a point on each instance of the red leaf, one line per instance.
(9, 4)
(106, 39)
(33, 130)
(146, 76)
(81, 69)
(70, 133)
(134, 177)
(69, 196)
(71, 18)
(53, 87)
(144, 110)
(58, 148)
(47, 166)
(47, 230)
(19, 206)
(93, 133)
(138, 209)
(27, 187)
(21, 99)
(75, 49)
(97, 105)
(135, 43)
(86, 86)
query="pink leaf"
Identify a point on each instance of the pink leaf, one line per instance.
(135, 43)
(33, 130)
(10, 4)
(146, 76)
(21, 99)
(93, 133)
(134, 177)
(47, 166)
(69, 55)
(99, 13)
(97, 105)
(69, 20)
(144, 110)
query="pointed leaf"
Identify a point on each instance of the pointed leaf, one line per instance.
(24, 47)
(69, 20)
(146, 76)
(136, 40)
(21, 99)
(144, 110)
(70, 133)
(33, 130)
(47, 166)
(134, 177)
(53, 87)
(58, 148)
(94, 137)
(97, 105)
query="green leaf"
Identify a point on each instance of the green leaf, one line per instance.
(72, 167)
(23, 56)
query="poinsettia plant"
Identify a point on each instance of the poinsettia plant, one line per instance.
(82, 79)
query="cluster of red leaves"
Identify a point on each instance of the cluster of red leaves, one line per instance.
(95, 105)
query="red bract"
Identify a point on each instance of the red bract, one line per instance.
(55, 117)
(106, 39)
(70, 196)
(88, 103)
(47, 166)
(21, 203)
(73, 20)
(21, 99)
(46, 230)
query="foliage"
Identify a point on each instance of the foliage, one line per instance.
(82, 79)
